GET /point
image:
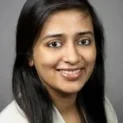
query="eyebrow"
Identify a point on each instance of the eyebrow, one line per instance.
(61, 34)
(86, 33)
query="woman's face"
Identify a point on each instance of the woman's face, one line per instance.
(64, 55)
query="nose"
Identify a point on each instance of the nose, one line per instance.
(71, 55)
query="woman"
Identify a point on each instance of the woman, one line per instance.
(58, 75)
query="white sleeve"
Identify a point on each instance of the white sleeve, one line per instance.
(12, 114)
(110, 112)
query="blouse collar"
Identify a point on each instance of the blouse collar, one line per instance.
(57, 118)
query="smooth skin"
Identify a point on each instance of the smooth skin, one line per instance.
(64, 56)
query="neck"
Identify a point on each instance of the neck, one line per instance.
(64, 103)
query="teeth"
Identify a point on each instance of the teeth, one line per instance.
(70, 71)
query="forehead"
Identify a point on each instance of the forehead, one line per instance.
(67, 21)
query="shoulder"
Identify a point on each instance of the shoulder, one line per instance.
(110, 112)
(12, 114)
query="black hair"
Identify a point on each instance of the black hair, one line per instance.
(28, 90)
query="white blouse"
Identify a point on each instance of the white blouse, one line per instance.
(13, 114)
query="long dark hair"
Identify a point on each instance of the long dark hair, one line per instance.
(29, 93)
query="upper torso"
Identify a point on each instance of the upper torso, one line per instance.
(13, 114)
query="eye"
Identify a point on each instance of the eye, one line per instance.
(84, 42)
(55, 44)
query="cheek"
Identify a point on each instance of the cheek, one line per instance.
(50, 59)
(46, 58)
(91, 62)
(90, 56)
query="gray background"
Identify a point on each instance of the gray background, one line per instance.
(111, 13)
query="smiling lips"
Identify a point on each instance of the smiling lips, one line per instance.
(71, 74)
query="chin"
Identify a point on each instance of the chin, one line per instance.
(70, 91)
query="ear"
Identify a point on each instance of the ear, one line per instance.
(31, 62)
(30, 59)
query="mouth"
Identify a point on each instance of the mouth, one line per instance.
(71, 74)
